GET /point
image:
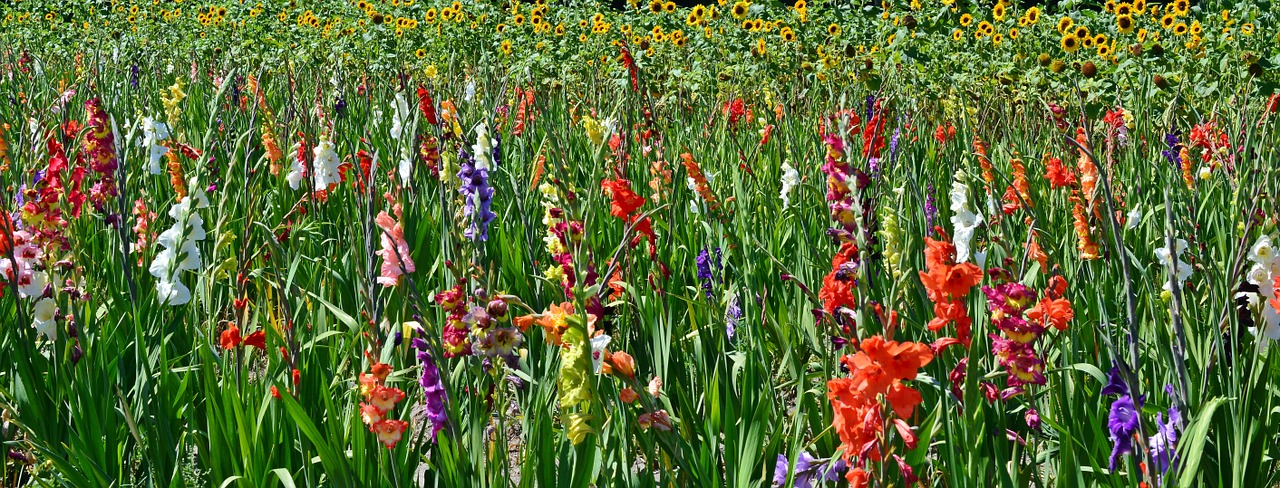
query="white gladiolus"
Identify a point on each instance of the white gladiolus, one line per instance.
(790, 178)
(153, 132)
(325, 164)
(297, 168)
(401, 117)
(1133, 218)
(42, 319)
(405, 168)
(963, 220)
(1263, 274)
(179, 251)
(31, 283)
(482, 150)
(1168, 260)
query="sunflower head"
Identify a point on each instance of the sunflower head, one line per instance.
(1064, 24)
(1070, 43)
(1124, 24)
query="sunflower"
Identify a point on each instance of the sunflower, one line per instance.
(1013, 34)
(560, 29)
(739, 10)
(676, 35)
(691, 19)
(655, 6)
(757, 25)
(833, 30)
(1110, 6)
(1064, 24)
(760, 47)
(986, 28)
(998, 12)
(420, 53)
(1246, 29)
(597, 18)
(1070, 43)
(583, 23)
(997, 39)
(1139, 6)
(1196, 28)
(1124, 9)
(1124, 24)
(966, 20)
(1181, 7)
(501, 27)
(582, 38)
(957, 35)
(1167, 21)
(1180, 29)
(787, 34)
(1082, 32)
(1100, 39)
(518, 19)
(680, 42)
(699, 10)
(669, 7)
(1033, 15)
(430, 17)
(506, 48)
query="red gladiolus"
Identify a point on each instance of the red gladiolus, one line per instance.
(230, 338)
(257, 339)
(427, 106)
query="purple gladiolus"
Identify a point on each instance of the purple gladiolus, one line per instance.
(1115, 384)
(1164, 443)
(807, 470)
(1171, 140)
(705, 276)
(1122, 423)
(478, 196)
(732, 315)
(432, 388)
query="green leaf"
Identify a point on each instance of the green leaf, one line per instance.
(286, 478)
(1196, 435)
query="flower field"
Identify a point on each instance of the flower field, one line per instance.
(564, 243)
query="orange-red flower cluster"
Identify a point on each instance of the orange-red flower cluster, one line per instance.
(230, 339)
(947, 283)
(379, 401)
(623, 203)
(840, 286)
(878, 369)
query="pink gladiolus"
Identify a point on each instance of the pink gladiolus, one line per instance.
(395, 251)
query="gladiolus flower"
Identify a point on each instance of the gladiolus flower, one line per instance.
(386, 398)
(390, 431)
(627, 395)
(257, 339)
(230, 338)
(370, 415)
